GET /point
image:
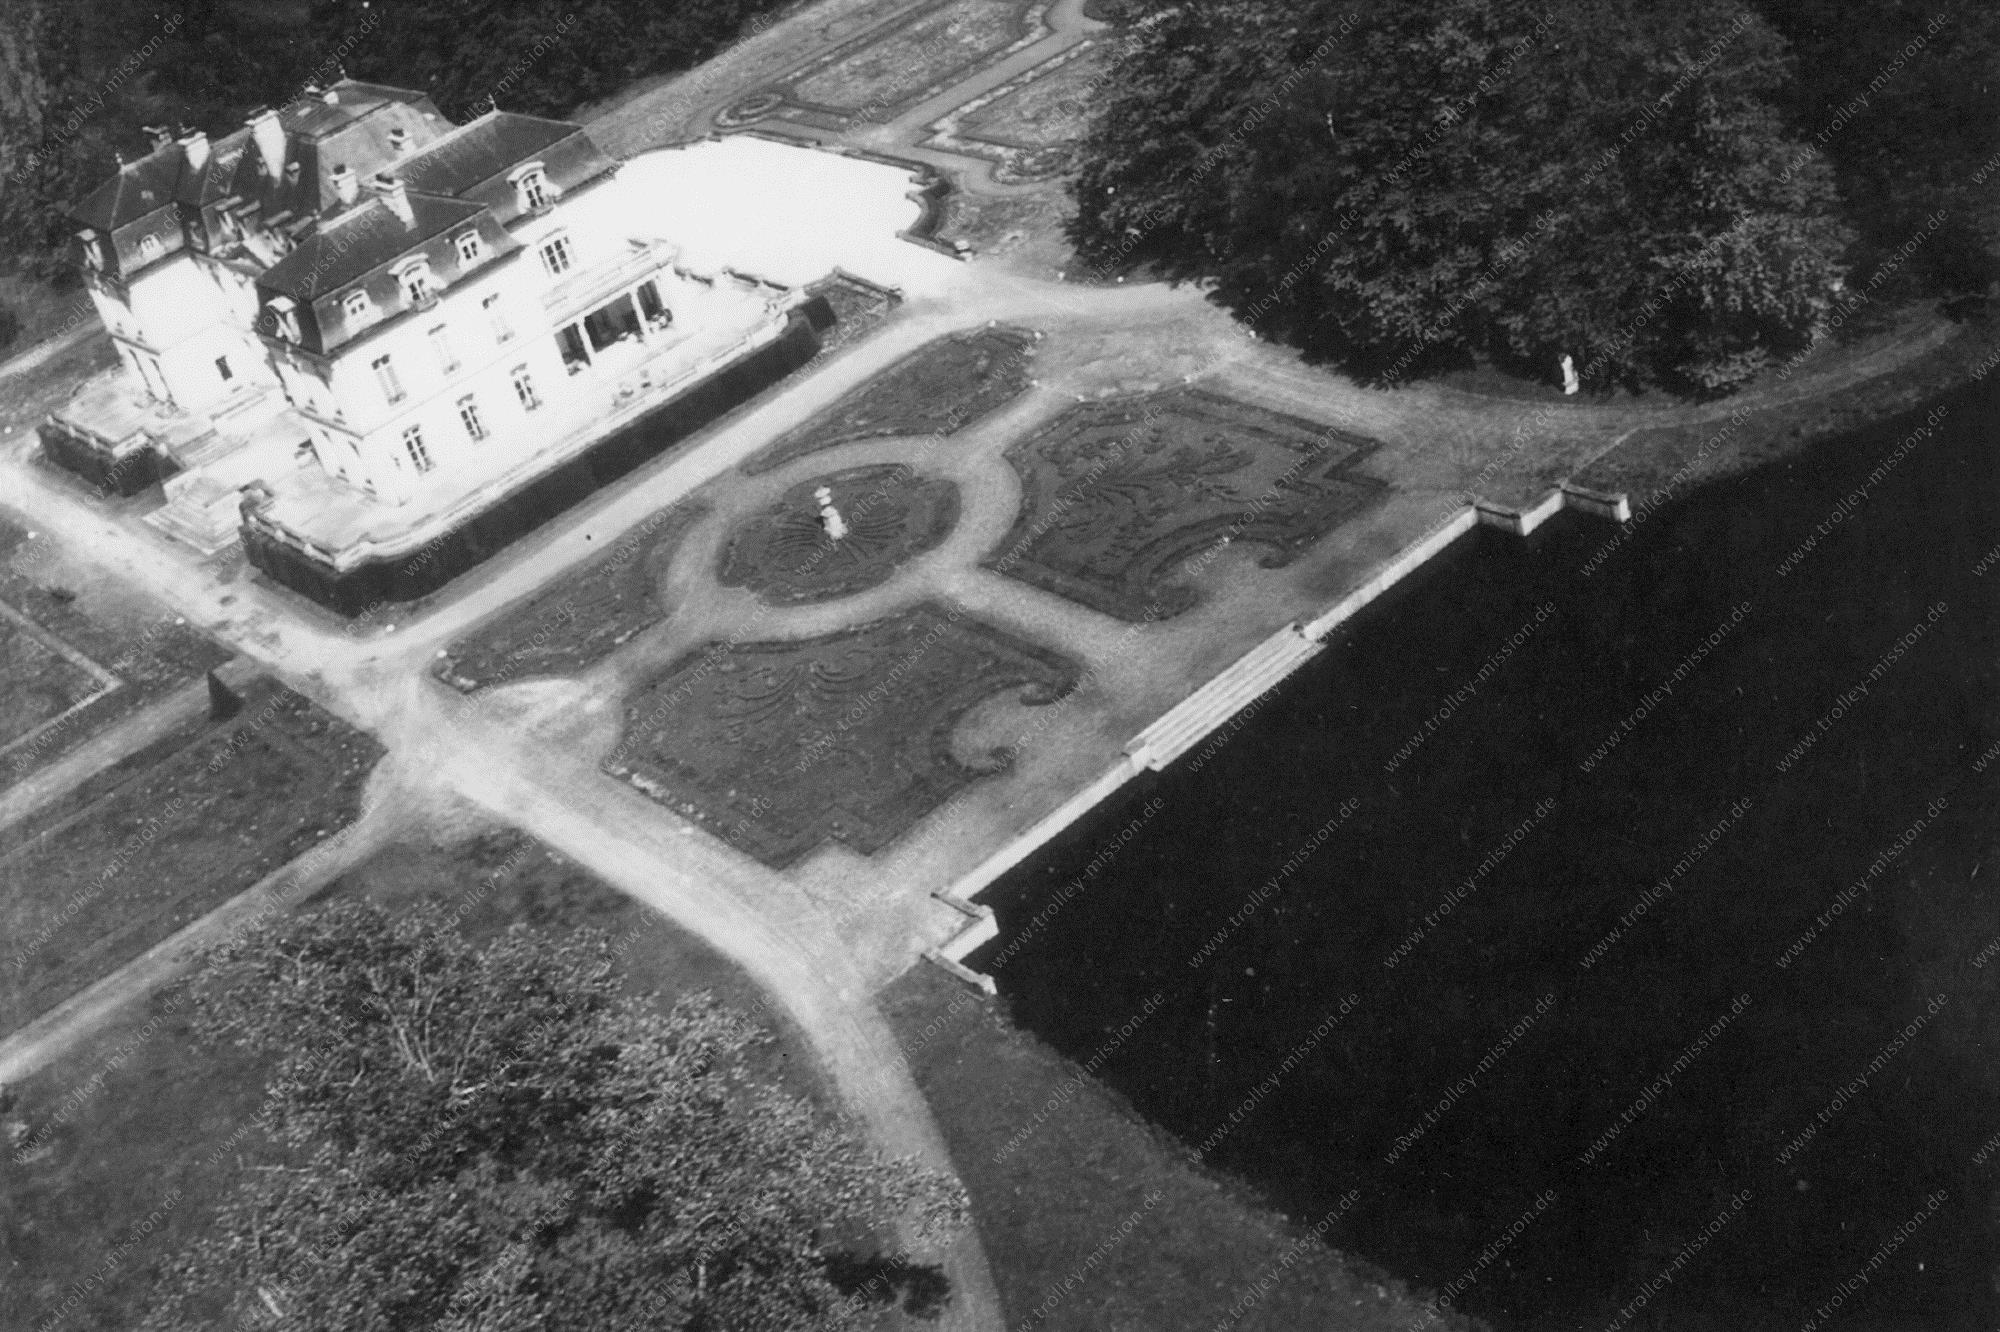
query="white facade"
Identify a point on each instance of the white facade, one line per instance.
(413, 309)
(501, 363)
(182, 327)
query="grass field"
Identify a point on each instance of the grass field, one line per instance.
(92, 881)
(1647, 462)
(150, 651)
(37, 683)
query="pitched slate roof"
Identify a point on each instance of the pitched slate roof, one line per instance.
(139, 188)
(347, 125)
(359, 240)
(212, 181)
(482, 149)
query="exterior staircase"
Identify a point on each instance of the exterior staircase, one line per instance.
(1210, 707)
(200, 511)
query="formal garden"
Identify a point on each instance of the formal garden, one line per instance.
(579, 619)
(935, 391)
(1117, 495)
(776, 747)
(887, 515)
(886, 71)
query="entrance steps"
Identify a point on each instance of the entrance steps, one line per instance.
(200, 511)
(1210, 707)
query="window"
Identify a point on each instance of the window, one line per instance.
(385, 375)
(222, 368)
(470, 247)
(356, 306)
(497, 317)
(569, 341)
(413, 444)
(556, 255)
(615, 321)
(149, 248)
(416, 280)
(524, 389)
(652, 307)
(534, 188)
(468, 414)
(441, 344)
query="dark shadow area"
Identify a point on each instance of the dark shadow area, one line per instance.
(884, 1280)
(1255, 919)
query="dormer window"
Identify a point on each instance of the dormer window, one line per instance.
(418, 289)
(149, 249)
(357, 307)
(285, 318)
(470, 247)
(93, 249)
(532, 186)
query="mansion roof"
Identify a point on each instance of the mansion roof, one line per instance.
(332, 189)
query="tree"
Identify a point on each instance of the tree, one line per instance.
(1903, 101)
(495, 1139)
(544, 57)
(1401, 185)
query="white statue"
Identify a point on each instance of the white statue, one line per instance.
(1570, 382)
(829, 517)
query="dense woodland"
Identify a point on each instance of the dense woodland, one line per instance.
(1674, 194)
(496, 1137)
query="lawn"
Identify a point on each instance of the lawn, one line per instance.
(937, 389)
(96, 878)
(37, 682)
(150, 651)
(32, 394)
(1646, 462)
(582, 617)
(1058, 1167)
(149, 1115)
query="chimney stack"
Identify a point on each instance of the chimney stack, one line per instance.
(160, 134)
(194, 145)
(269, 135)
(345, 187)
(397, 195)
(399, 140)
